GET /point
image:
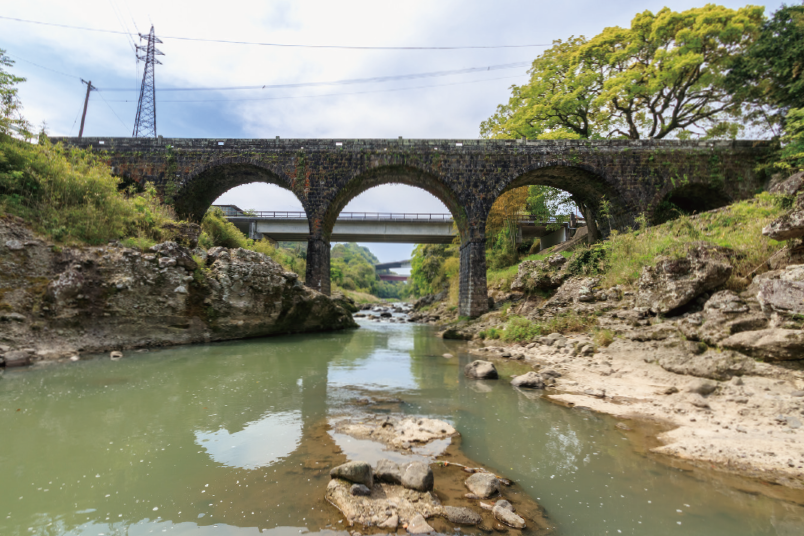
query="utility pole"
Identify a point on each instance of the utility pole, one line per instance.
(145, 122)
(90, 87)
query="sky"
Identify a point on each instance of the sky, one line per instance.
(55, 59)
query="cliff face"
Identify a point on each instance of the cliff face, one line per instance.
(58, 302)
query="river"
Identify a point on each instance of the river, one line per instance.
(233, 439)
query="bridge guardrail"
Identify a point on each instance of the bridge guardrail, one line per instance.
(368, 216)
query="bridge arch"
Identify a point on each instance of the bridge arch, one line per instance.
(588, 186)
(394, 174)
(208, 182)
(689, 197)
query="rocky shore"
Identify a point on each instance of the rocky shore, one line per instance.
(422, 494)
(718, 365)
(59, 303)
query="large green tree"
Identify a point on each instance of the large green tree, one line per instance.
(663, 76)
(772, 69)
(10, 106)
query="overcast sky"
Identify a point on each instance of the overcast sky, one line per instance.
(450, 107)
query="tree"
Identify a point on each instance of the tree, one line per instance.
(10, 106)
(665, 75)
(772, 69)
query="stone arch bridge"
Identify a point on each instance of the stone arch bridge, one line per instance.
(633, 177)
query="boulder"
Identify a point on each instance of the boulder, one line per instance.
(701, 387)
(345, 302)
(418, 476)
(789, 186)
(17, 358)
(789, 226)
(484, 485)
(171, 250)
(783, 292)
(421, 430)
(695, 359)
(772, 344)
(388, 471)
(480, 370)
(356, 472)
(507, 517)
(531, 276)
(674, 282)
(530, 380)
(574, 290)
(418, 525)
(461, 515)
(456, 334)
(556, 261)
(390, 524)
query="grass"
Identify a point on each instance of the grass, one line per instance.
(622, 257)
(521, 329)
(357, 296)
(71, 196)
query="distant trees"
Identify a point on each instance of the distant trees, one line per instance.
(10, 106)
(352, 268)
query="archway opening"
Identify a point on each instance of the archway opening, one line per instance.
(404, 233)
(527, 220)
(688, 199)
(262, 217)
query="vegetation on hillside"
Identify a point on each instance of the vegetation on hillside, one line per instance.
(352, 269)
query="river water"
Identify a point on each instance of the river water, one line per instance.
(232, 439)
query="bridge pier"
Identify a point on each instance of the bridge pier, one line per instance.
(317, 274)
(473, 298)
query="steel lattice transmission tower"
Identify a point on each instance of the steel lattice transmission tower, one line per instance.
(145, 123)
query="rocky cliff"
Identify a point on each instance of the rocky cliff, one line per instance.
(58, 302)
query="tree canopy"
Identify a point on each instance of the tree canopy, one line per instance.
(772, 69)
(665, 75)
(10, 106)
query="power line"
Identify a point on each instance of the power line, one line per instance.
(285, 45)
(43, 67)
(100, 94)
(335, 94)
(347, 82)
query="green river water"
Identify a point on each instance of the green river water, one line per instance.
(232, 439)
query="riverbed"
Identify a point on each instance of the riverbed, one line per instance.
(233, 438)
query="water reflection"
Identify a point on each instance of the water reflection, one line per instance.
(259, 444)
(232, 439)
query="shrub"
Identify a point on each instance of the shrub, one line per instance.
(520, 329)
(603, 337)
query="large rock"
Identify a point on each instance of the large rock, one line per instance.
(460, 515)
(180, 256)
(537, 275)
(357, 472)
(782, 291)
(388, 471)
(773, 344)
(507, 517)
(347, 303)
(386, 507)
(694, 359)
(481, 370)
(575, 290)
(418, 476)
(724, 314)
(674, 282)
(484, 485)
(530, 380)
(789, 226)
(789, 186)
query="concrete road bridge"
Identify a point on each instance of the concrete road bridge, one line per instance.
(632, 176)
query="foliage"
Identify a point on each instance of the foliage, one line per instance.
(352, 268)
(790, 158)
(603, 337)
(738, 227)
(772, 68)
(521, 329)
(433, 267)
(10, 106)
(216, 231)
(71, 196)
(665, 75)
(550, 204)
